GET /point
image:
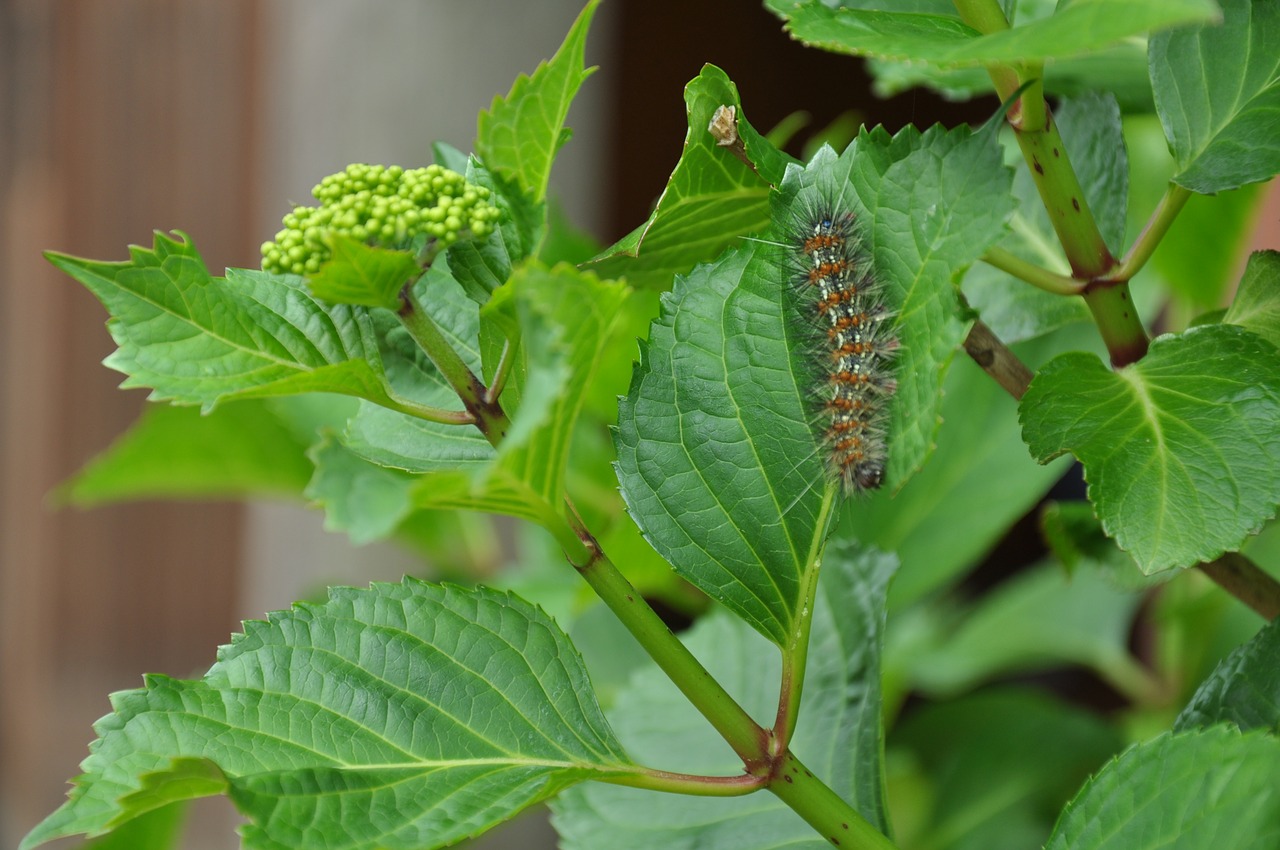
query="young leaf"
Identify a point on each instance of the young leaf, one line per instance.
(710, 200)
(239, 449)
(196, 339)
(1257, 302)
(402, 716)
(481, 266)
(356, 273)
(839, 734)
(520, 134)
(1220, 116)
(1180, 449)
(1210, 788)
(566, 321)
(1084, 26)
(1244, 689)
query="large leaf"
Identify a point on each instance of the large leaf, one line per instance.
(1076, 28)
(1181, 449)
(838, 735)
(520, 134)
(1257, 302)
(1211, 788)
(242, 448)
(710, 200)
(1244, 689)
(717, 460)
(196, 339)
(1217, 89)
(402, 716)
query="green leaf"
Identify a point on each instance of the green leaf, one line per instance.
(196, 339)
(710, 200)
(356, 273)
(240, 449)
(839, 733)
(1217, 90)
(518, 137)
(402, 716)
(1257, 302)
(1080, 27)
(1180, 449)
(1120, 70)
(986, 792)
(481, 266)
(716, 458)
(1244, 689)
(1013, 309)
(1074, 534)
(717, 461)
(934, 202)
(156, 830)
(1035, 621)
(1210, 788)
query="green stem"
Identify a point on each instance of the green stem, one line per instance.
(431, 414)
(500, 374)
(1117, 321)
(1037, 276)
(743, 734)
(488, 415)
(684, 783)
(1174, 199)
(823, 809)
(796, 654)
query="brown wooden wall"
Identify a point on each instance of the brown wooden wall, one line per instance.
(116, 118)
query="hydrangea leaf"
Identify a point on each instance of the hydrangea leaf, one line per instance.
(197, 339)
(1220, 117)
(1243, 689)
(717, 460)
(1257, 302)
(1210, 788)
(518, 137)
(402, 716)
(888, 31)
(170, 452)
(710, 200)
(1180, 449)
(356, 273)
(839, 734)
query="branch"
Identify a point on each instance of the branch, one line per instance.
(1174, 199)
(1246, 581)
(1037, 276)
(997, 360)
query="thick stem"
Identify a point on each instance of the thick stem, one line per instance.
(1246, 581)
(742, 733)
(1035, 275)
(1117, 321)
(823, 809)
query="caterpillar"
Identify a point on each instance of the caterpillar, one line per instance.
(848, 337)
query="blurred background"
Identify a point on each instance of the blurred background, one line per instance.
(215, 117)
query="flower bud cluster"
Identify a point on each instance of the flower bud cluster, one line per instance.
(381, 205)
